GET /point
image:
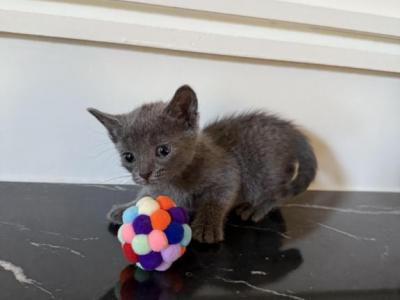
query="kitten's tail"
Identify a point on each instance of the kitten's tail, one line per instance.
(302, 170)
(306, 168)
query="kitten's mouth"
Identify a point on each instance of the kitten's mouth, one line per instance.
(149, 181)
(155, 178)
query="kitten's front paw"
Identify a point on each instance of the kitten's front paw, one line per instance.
(205, 232)
(115, 214)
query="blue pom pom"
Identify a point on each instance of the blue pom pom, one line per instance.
(130, 214)
(174, 232)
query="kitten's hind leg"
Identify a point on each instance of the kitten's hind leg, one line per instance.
(242, 207)
(261, 211)
(256, 213)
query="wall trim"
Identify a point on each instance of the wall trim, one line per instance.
(284, 11)
(345, 47)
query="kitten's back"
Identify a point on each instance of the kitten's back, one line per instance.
(275, 158)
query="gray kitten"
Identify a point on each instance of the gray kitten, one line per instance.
(251, 162)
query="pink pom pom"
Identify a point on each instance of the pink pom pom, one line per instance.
(157, 240)
(127, 233)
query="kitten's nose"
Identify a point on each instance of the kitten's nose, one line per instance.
(145, 176)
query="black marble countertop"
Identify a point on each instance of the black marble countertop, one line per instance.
(55, 243)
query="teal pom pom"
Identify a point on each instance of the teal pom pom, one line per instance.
(187, 235)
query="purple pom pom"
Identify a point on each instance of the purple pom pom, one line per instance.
(142, 224)
(151, 260)
(179, 215)
(174, 233)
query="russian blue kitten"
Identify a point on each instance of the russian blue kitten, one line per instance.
(251, 162)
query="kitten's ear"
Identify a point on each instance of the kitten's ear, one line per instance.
(111, 122)
(183, 106)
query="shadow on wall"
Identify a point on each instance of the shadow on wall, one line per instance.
(329, 171)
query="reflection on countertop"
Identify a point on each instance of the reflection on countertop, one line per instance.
(56, 244)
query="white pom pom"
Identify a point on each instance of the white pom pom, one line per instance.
(147, 206)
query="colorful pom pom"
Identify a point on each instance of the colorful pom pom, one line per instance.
(148, 206)
(165, 202)
(127, 233)
(187, 235)
(129, 254)
(179, 215)
(160, 219)
(142, 224)
(157, 240)
(140, 244)
(164, 266)
(130, 214)
(155, 233)
(171, 253)
(174, 232)
(119, 235)
(151, 260)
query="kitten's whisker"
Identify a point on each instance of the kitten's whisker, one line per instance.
(116, 177)
(127, 181)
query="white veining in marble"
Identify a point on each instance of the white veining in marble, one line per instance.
(44, 245)
(378, 207)
(70, 237)
(256, 272)
(226, 269)
(19, 227)
(20, 276)
(22, 227)
(347, 233)
(272, 292)
(94, 238)
(385, 252)
(260, 229)
(345, 210)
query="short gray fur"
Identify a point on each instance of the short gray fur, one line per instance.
(251, 162)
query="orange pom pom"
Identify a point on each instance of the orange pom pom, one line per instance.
(160, 219)
(183, 250)
(165, 202)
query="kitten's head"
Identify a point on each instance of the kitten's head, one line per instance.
(157, 140)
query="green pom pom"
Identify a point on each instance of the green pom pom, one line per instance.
(140, 244)
(119, 235)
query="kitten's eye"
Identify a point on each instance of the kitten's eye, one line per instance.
(162, 150)
(128, 156)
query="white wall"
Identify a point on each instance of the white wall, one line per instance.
(46, 84)
(46, 134)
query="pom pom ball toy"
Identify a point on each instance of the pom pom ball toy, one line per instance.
(154, 233)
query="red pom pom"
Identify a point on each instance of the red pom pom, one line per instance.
(129, 254)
